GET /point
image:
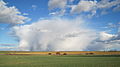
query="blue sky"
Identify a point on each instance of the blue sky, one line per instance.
(35, 10)
(41, 11)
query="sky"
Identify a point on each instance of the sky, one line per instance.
(59, 25)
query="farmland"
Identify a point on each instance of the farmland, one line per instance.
(37, 60)
(61, 52)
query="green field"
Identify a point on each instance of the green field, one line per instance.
(58, 61)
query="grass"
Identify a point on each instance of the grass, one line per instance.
(58, 61)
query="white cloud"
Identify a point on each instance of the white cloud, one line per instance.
(58, 13)
(53, 13)
(61, 4)
(25, 14)
(70, 0)
(54, 35)
(57, 4)
(104, 12)
(83, 6)
(8, 48)
(34, 7)
(117, 8)
(93, 13)
(10, 15)
(105, 36)
(107, 3)
(105, 42)
(87, 6)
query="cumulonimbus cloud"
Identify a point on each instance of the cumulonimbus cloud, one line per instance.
(54, 35)
(59, 34)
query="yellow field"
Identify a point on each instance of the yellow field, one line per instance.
(65, 52)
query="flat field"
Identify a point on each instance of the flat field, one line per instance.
(59, 61)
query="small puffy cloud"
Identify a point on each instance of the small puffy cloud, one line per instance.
(10, 15)
(113, 25)
(104, 12)
(53, 13)
(34, 7)
(57, 4)
(71, 0)
(117, 8)
(58, 13)
(107, 3)
(60, 4)
(105, 36)
(25, 14)
(93, 13)
(83, 6)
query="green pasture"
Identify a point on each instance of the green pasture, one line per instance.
(58, 61)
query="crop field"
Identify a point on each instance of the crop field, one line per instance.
(61, 52)
(59, 61)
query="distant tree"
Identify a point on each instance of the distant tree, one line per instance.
(49, 53)
(64, 53)
(57, 53)
(91, 53)
(86, 53)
